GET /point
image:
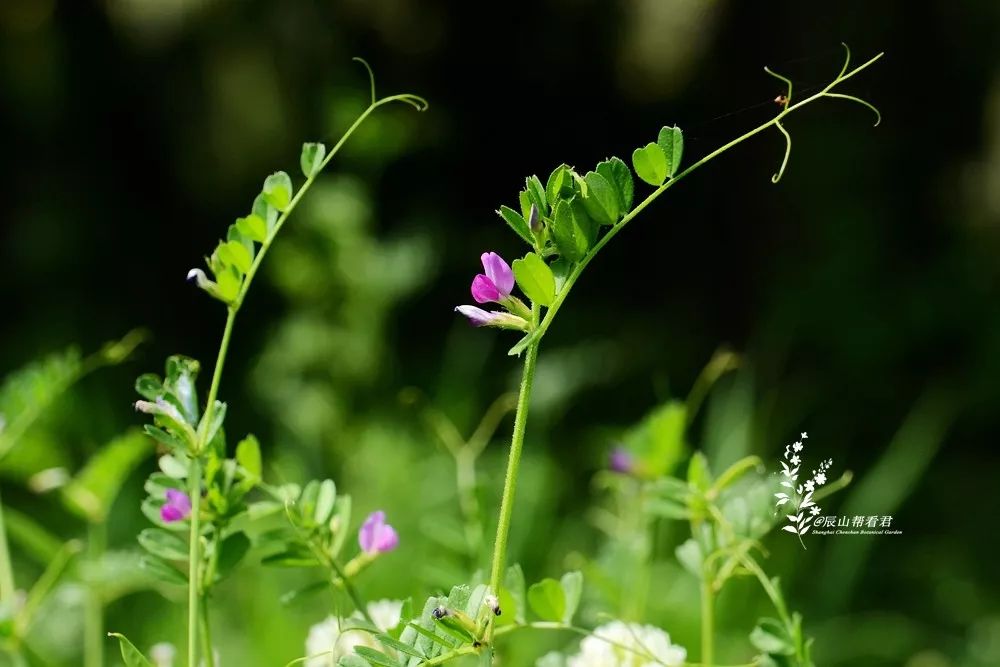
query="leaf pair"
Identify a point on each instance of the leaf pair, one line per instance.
(655, 162)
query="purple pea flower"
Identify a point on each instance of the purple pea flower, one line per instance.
(376, 536)
(496, 284)
(177, 507)
(621, 460)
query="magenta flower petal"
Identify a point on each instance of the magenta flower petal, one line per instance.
(499, 273)
(177, 507)
(170, 514)
(484, 290)
(376, 536)
(388, 539)
(477, 316)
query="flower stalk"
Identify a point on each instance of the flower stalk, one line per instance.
(513, 462)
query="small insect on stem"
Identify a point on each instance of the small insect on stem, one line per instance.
(781, 100)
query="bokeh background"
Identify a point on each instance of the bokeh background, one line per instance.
(861, 292)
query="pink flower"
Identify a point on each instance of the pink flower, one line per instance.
(376, 536)
(495, 285)
(177, 507)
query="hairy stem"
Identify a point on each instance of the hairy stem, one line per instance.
(513, 465)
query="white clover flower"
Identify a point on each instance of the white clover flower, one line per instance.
(332, 638)
(385, 613)
(617, 644)
(163, 654)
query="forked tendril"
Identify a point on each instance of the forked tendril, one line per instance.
(841, 76)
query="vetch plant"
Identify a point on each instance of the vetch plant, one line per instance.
(202, 492)
(566, 221)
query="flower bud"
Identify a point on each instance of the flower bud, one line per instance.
(534, 220)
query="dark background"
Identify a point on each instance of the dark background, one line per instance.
(862, 289)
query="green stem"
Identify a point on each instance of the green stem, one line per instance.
(342, 580)
(207, 579)
(707, 620)
(93, 639)
(213, 389)
(352, 592)
(194, 490)
(206, 635)
(617, 227)
(194, 559)
(772, 592)
(42, 587)
(513, 464)
(6, 569)
(791, 625)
